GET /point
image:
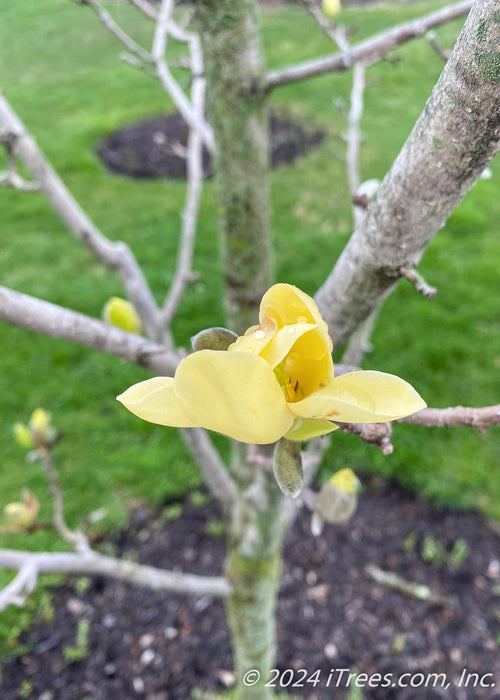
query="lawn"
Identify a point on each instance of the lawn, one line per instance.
(62, 72)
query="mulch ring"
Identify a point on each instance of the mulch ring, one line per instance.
(331, 615)
(156, 148)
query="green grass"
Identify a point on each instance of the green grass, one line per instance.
(62, 73)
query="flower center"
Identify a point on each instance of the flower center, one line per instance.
(289, 385)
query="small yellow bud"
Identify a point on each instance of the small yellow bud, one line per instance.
(331, 8)
(345, 481)
(43, 433)
(40, 420)
(337, 499)
(22, 516)
(23, 436)
(121, 313)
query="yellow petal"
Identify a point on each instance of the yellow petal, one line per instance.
(286, 304)
(234, 393)
(308, 428)
(362, 397)
(255, 339)
(155, 400)
(283, 341)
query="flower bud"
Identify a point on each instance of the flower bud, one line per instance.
(331, 8)
(346, 481)
(23, 436)
(22, 516)
(337, 499)
(287, 467)
(122, 314)
(40, 420)
(213, 339)
(42, 432)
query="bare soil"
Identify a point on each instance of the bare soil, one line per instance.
(156, 148)
(150, 645)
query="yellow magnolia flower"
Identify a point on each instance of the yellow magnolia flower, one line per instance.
(121, 313)
(275, 381)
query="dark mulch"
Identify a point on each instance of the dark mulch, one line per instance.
(155, 148)
(330, 614)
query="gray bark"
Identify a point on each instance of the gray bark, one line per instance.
(233, 57)
(454, 139)
(33, 314)
(367, 51)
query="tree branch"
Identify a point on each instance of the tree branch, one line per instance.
(332, 30)
(34, 314)
(418, 282)
(369, 50)
(444, 54)
(458, 416)
(76, 539)
(354, 138)
(115, 254)
(116, 30)
(194, 170)
(453, 417)
(12, 178)
(190, 115)
(56, 321)
(211, 465)
(30, 565)
(146, 8)
(455, 137)
(20, 587)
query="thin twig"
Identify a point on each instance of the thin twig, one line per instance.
(211, 465)
(34, 314)
(194, 171)
(353, 127)
(397, 583)
(332, 30)
(76, 538)
(13, 179)
(93, 564)
(453, 417)
(416, 279)
(146, 8)
(16, 592)
(369, 50)
(372, 433)
(444, 54)
(456, 416)
(116, 30)
(185, 107)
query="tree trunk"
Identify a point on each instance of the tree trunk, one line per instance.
(233, 57)
(454, 139)
(253, 567)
